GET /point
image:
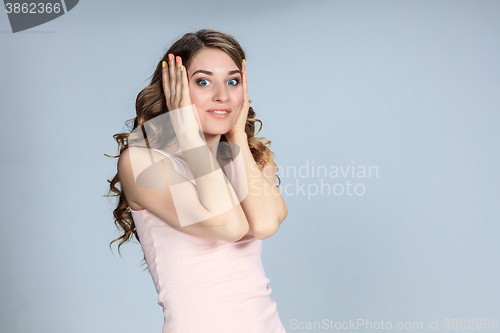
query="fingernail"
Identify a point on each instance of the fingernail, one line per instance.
(177, 59)
(170, 57)
(163, 63)
(182, 68)
(244, 63)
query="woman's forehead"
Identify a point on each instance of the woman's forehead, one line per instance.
(213, 60)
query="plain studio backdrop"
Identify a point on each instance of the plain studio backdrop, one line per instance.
(396, 100)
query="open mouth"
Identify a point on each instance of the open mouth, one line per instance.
(224, 113)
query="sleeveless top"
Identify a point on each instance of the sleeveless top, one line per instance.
(206, 285)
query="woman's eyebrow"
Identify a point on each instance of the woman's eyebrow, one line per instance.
(210, 73)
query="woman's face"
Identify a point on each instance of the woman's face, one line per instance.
(215, 85)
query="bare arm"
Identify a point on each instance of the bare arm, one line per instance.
(264, 206)
(215, 192)
(180, 202)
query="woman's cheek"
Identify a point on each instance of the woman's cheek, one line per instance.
(198, 91)
(196, 94)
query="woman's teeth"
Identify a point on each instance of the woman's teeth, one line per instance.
(220, 112)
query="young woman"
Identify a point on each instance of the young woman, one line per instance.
(201, 211)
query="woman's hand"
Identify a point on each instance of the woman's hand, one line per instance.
(176, 90)
(239, 126)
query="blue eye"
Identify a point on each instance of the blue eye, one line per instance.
(236, 81)
(200, 82)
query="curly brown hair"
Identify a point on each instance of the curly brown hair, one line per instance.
(151, 103)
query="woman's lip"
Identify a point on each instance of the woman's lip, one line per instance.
(220, 116)
(211, 110)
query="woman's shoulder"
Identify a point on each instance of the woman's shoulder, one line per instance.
(132, 162)
(141, 157)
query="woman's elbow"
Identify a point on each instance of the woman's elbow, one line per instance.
(267, 230)
(236, 231)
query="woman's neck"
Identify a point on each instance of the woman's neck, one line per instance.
(212, 142)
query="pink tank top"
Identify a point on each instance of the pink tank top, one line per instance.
(206, 285)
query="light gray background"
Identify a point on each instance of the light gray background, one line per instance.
(408, 86)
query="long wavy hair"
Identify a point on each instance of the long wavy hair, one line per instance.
(151, 103)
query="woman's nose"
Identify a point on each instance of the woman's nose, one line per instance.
(220, 94)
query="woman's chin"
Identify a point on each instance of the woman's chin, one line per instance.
(213, 134)
(217, 130)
